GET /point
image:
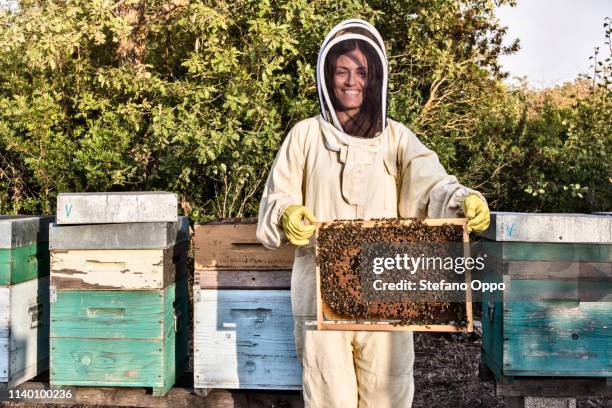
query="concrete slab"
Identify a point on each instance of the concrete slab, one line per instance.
(120, 207)
(560, 228)
(144, 235)
(21, 230)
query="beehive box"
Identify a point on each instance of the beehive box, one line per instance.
(340, 305)
(243, 324)
(122, 338)
(554, 316)
(24, 331)
(119, 304)
(244, 339)
(231, 245)
(24, 297)
(118, 256)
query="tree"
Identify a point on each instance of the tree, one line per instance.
(196, 96)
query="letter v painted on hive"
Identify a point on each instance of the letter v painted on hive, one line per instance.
(68, 209)
(509, 229)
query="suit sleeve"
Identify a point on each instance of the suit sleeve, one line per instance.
(426, 189)
(283, 188)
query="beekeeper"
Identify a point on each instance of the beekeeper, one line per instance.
(353, 162)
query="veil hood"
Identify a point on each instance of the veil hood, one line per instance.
(353, 29)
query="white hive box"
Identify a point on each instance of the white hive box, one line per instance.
(24, 331)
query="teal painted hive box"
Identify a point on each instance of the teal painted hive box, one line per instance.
(120, 338)
(24, 298)
(119, 304)
(554, 317)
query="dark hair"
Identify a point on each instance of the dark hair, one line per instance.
(368, 121)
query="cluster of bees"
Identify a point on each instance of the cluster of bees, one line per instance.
(339, 247)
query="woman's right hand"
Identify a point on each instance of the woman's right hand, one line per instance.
(297, 232)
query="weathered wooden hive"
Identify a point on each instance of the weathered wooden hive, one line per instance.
(119, 298)
(24, 298)
(243, 325)
(341, 277)
(554, 317)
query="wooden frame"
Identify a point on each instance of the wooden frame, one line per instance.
(323, 311)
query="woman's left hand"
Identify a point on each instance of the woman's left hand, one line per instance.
(477, 213)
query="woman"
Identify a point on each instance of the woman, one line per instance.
(352, 162)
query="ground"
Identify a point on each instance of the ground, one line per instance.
(446, 374)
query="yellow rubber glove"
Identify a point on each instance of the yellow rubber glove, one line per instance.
(297, 232)
(477, 212)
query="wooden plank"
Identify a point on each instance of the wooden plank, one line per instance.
(213, 278)
(178, 397)
(327, 320)
(28, 372)
(135, 235)
(24, 263)
(550, 335)
(130, 269)
(433, 222)
(96, 362)
(116, 207)
(244, 339)
(554, 387)
(558, 270)
(492, 326)
(525, 251)
(386, 326)
(108, 269)
(175, 345)
(29, 330)
(568, 228)
(4, 359)
(252, 399)
(5, 311)
(108, 314)
(518, 290)
(23, 230)
(234, 246)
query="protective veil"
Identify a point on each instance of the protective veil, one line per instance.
(375, 168)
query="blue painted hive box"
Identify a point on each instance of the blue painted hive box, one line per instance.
(554, 317)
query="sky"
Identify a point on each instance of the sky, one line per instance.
(557, 38)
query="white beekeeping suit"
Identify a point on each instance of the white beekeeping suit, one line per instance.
(385, 173)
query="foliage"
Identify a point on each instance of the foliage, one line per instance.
(195, 97)
(568, 143)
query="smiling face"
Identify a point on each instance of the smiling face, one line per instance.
(350, 81)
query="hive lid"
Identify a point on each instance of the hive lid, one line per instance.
(560, 228)
(148, 235)
(116, 207)
(22, 230)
